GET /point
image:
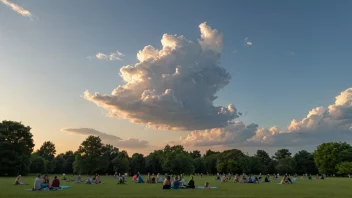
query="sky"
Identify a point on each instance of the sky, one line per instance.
(204, 74)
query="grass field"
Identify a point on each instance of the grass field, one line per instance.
(331, 187)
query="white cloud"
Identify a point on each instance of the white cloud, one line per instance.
(247, 42)
(172, 88)
(111, 57)
(17, 8)
(108, 139)
(320, 125)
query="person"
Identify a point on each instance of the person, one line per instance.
(289, 181)
(97, 179)
(284, 180)
(256, 180)
(167, 183)
(88, 180)
(64, 176)
(37, 183)
(266, 180)
(260, 177)
(224, 179)
(121, 180)
(46, 182)
(19, 181)
(153, 179)
(201, 175)
(176, 184)
(206, 185)
(250, 180)
(56, 183)
(149, 180)
(191, 183)
(78, 179)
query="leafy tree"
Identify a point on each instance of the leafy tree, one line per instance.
(229, 161)
(16, 146)
(272, 166)
(263, 157)
(328, 155)
(281, 154)
(344, 168)
(47, 150)
(184, 164)
(304, 163)
(137, 163)
(199, 165)
(89, 159)
(210, 153)
(120, 165)
(285, 165)
(153, 162)
(210, 160)
(195, 154)
(123, 154)
(59, 162)
(109, 152)
(69, 157)
(37, 164)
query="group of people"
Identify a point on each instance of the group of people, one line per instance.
(41, 184)
(178, 183)
(94, 180)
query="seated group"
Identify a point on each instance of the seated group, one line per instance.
(178, 184)
(41, 184)
(94, 180)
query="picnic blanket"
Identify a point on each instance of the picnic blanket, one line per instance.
(201, 187)
(46, 189)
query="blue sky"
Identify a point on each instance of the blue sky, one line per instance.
(299, 59)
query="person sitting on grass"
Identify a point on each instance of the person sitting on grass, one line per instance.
(121, 180)
(56, 183)
(284, 180)
(64, 176)
(224, 179)
(176, 184)
(88, 180)
(206, 185)
(149, 179)
(153, 181)
(250, 180)
(266, 180)
(78, 179)
(289, 181)
(46, 182)
(19, 181)
(167, 183)
(97, 179)
(256, 180)
(191, 183)
(236, 179)
(37, 183)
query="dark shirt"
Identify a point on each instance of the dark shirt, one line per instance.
(56, 183)
(191, 184)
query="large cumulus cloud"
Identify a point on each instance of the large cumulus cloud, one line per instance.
(321, 124)
(173, 88)
(108, 139)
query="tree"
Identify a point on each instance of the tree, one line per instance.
(37, 164)
(304, 163)
(281, 154)
(263, 157)
(285, 165)
(89, 159)
(69, 157)
(120, 165)
(47, 150)
(109, 152)
(328, 155)
(230, 161)
(199, 165)
(16, 146)
(184, 164)
(153, 162)
(210, 160)
(59, 164)
(137, 163)
(195, 154)
(344, 168)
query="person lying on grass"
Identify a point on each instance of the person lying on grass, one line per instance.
(19, 181)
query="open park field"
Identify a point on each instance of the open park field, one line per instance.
(331, 187)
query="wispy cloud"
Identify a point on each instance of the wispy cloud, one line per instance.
(107, 138)
(17, 8)
(247, 42)
(111, 57)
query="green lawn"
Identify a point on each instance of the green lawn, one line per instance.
(331, 187)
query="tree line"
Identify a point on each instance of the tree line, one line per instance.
(92, 156)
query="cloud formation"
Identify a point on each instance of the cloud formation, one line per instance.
(17, 8)
(111, 57)
(173, 88)
(321, 124)
(247, 42)
(108, 139)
